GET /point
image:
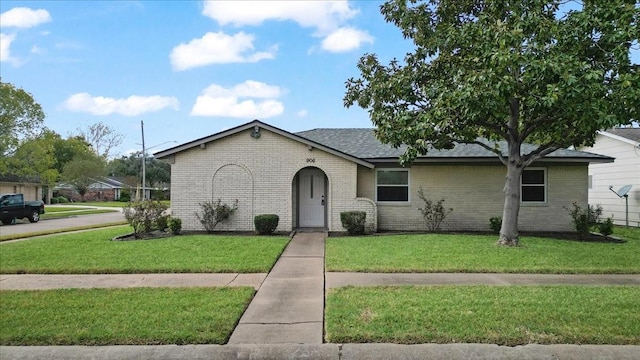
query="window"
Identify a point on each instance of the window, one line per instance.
(392, 185)
(533, 185)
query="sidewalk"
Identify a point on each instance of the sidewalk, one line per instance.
(289, 307)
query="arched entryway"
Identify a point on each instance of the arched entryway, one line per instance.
(311, 198)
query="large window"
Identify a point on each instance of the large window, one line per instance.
(392, 185)
(534, 185)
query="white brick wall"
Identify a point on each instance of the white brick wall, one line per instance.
(260, 174)
(475, 194)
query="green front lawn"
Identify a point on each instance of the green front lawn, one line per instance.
(479, 253)
(93, 252)
(121, 316)
(510, 315)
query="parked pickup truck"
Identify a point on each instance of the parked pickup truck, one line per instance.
(13, 206)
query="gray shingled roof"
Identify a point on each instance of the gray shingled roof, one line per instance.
(627, 133)
(362, 143)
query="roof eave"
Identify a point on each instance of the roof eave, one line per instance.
(618, 137)
(174, 150)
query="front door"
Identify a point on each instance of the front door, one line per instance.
(312, 198)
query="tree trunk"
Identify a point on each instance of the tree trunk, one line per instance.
(509, 228)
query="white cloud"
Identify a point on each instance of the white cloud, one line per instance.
(216, 100)
(5, 44)
(217, 48)
(346, 39)
(131, 106)
(22, 17)
(35, 49)
(322, 15)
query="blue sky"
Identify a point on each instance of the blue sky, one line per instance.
(189, 69)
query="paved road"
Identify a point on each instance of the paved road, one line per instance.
(24, 226)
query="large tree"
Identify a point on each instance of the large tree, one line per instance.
(21, 117)
(507, 71)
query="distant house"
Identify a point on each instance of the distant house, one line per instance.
(308, 178)
(32, 189)
(103, 189)
(623, 144)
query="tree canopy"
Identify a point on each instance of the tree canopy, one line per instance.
(550, 73)
(21, 117)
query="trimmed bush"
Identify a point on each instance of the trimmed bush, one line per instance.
(162, 222)
(266, 223)
(175, 225)
(495, 223)
(353, 221)
(54, 200)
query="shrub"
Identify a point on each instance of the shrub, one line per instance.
(266, 223)
(162, 222)
(125, 196)
(433, 214)
(54, 200)
(175, 225)
(353, 221)
(495, 223)
(605, 227)
(584, 219)
(214, 213)
(62, 200)
(144, 216)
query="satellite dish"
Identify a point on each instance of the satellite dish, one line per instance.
(624, 190)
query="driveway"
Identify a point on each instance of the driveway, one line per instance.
(24, 226)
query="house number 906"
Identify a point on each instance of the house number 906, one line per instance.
(311, 160)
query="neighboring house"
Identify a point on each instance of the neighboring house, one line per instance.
(31, 189)
(309, 178)
(103, 189)
(623, 144)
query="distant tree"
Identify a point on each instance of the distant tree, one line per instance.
(34, 159)
(157, 172)
(102, 138)
(21, 117)
(512, 71)
(82, 171)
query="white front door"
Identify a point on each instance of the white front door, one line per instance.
(312, 197)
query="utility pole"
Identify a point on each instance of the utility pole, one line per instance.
(144, 160)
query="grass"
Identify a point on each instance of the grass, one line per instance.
(480, 254)
(61, 214)
(58, 231)
(121, 316)
(93, 252)
(511, 315)
(119, 204)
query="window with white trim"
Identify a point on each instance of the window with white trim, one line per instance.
(533, 186)
(392, 185)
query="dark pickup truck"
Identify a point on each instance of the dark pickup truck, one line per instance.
(13, 206)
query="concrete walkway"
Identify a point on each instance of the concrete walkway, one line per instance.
(289, 306)
(43, 282)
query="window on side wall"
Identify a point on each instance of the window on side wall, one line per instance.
(392, 185)
(533, 186)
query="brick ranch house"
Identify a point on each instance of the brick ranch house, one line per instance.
(308, 178)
